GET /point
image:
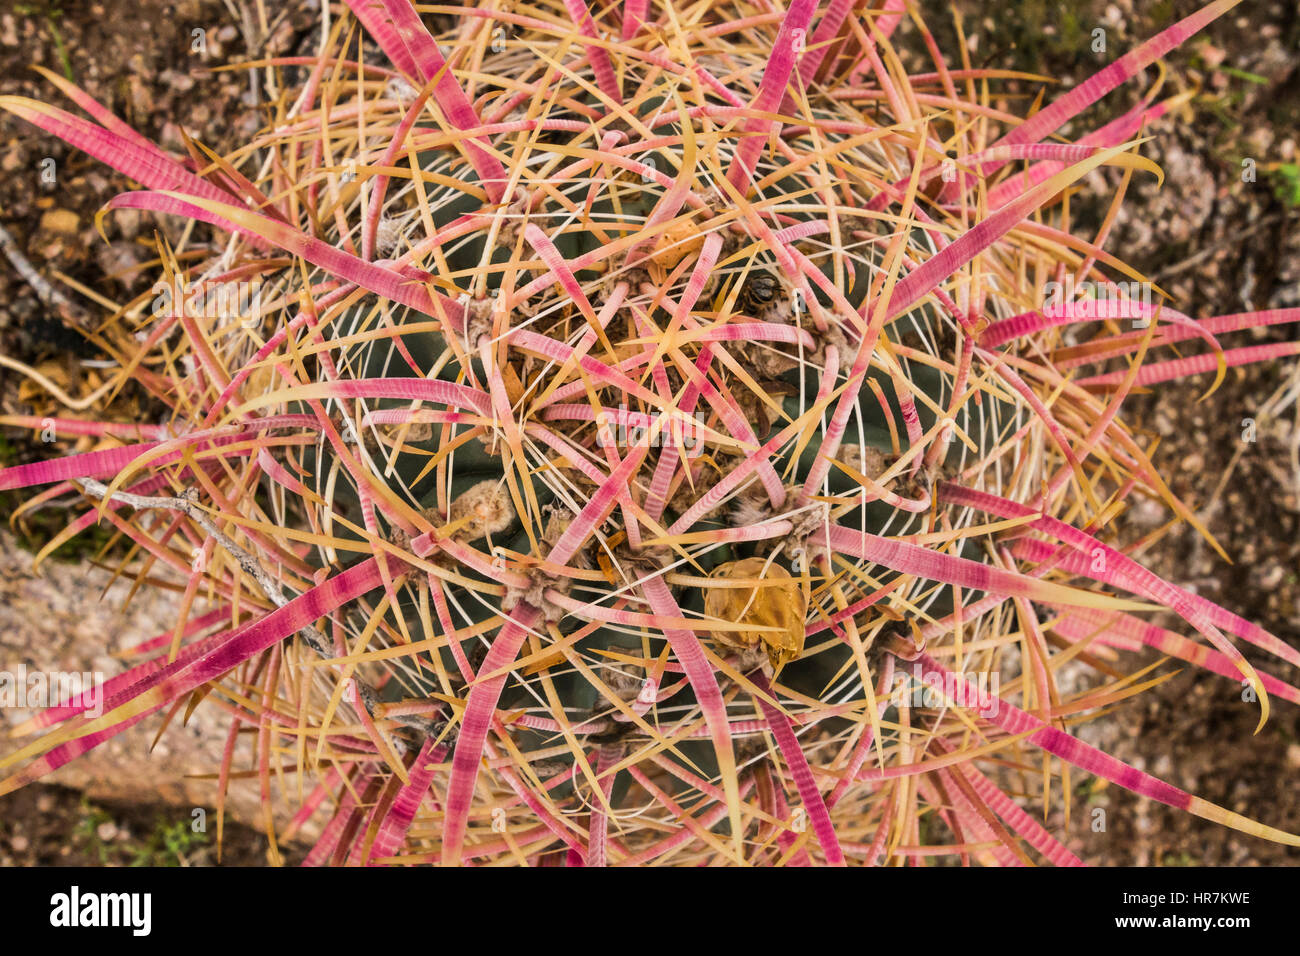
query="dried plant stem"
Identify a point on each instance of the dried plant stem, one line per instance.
(185, 504)
(68, 310)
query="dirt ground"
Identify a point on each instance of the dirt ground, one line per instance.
(1217, 243)
(46, 825)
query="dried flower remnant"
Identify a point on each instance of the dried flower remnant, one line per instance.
(766, 601)
(481, 510)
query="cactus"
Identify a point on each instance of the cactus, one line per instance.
(645, 441)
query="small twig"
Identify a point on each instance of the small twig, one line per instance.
(68, 310)
(185, 503)
(1208, 251)
(77, 404)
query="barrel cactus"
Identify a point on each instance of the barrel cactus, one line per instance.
(644, 433)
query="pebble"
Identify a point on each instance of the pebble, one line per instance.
(1293, 756)
(1272, 577)
(63, 222)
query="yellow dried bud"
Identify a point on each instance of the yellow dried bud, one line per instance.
(775, 600)
(485, 509)
(676, 242)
